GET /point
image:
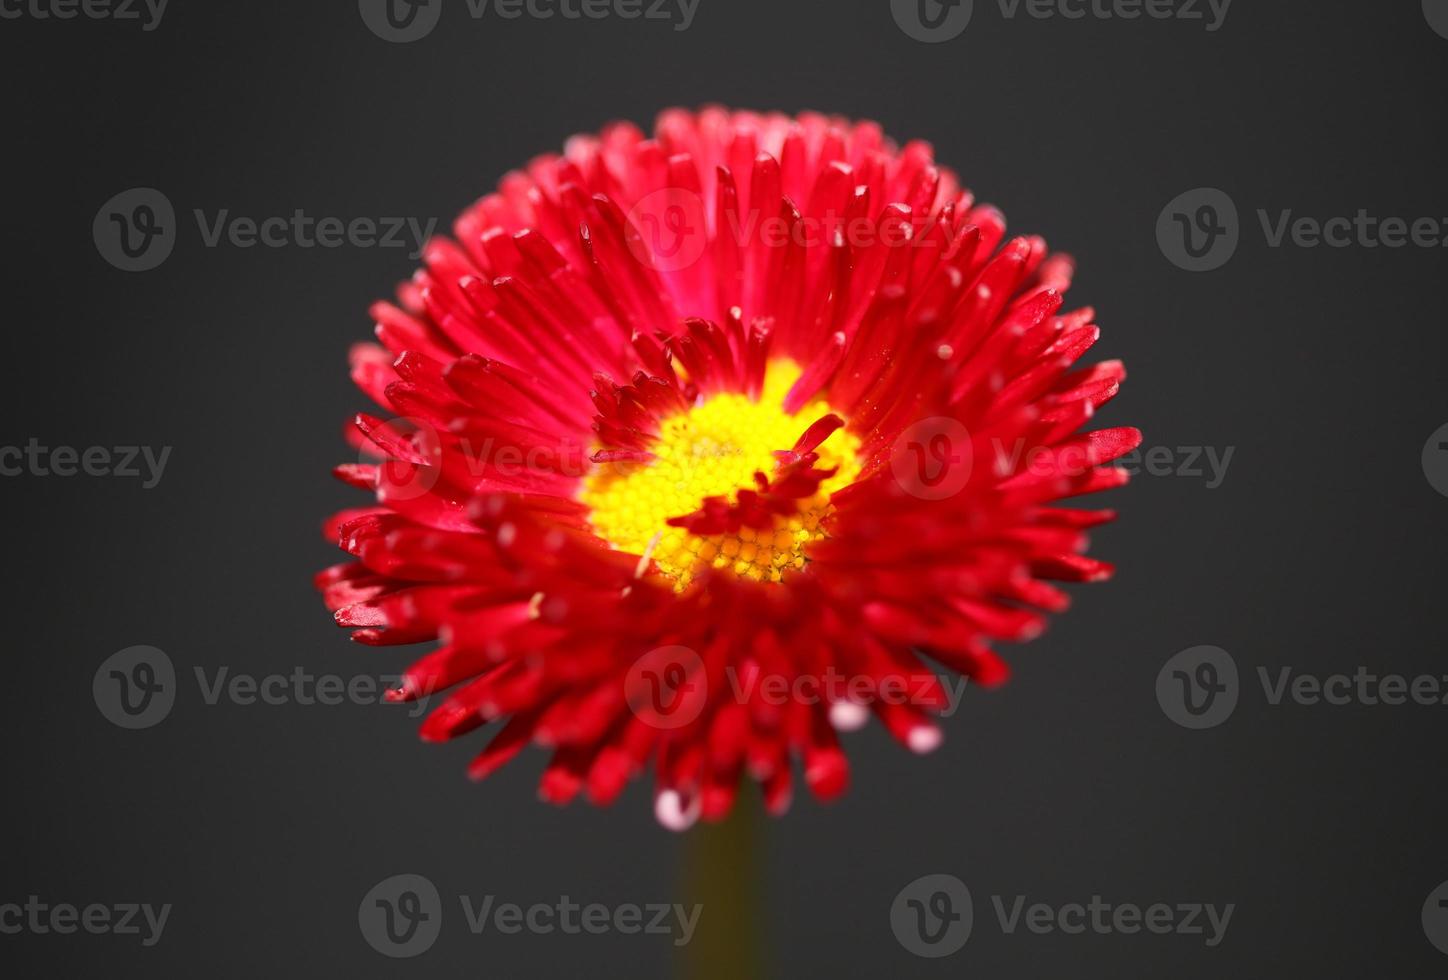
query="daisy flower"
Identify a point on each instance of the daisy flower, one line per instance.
(696, 448)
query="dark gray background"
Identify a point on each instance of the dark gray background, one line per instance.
(264, 826)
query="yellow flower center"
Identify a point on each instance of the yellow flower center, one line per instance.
(713, 450)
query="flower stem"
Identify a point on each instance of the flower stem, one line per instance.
(721, 875)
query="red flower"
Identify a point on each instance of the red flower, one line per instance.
(705, 442)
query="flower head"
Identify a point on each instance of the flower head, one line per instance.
(703, 446)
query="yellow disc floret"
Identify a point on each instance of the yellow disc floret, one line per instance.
(713, 450)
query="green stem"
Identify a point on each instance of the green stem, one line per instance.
(721, 874)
